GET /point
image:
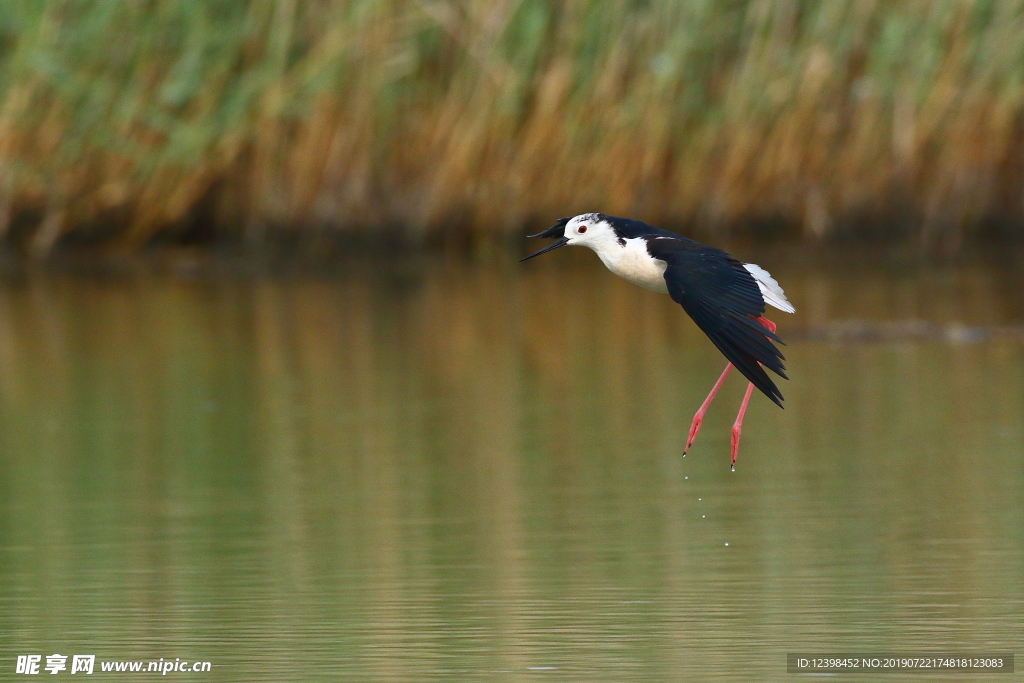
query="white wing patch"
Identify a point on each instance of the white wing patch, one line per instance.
(770, 289)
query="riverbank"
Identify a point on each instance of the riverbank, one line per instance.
(295, 121)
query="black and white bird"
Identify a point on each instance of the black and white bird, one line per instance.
(725, 297)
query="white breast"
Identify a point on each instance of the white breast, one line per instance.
(633, 263)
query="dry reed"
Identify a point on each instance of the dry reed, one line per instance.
(121, 122)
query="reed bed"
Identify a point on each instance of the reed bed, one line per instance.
(128, 122)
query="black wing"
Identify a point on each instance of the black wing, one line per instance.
(723, 299)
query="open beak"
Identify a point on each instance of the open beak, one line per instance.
(554, 245)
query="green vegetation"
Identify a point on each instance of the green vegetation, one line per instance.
(123, 121)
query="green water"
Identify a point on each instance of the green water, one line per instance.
(451, 470)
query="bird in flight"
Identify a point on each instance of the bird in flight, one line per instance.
(725, 297)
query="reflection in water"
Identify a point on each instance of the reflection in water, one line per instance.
(458, 471)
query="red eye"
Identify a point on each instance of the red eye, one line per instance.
(582, 229)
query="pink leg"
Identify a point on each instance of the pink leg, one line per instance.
(699, 417)
(737, 426)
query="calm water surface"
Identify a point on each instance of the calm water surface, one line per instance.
(456, 471)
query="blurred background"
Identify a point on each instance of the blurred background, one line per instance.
(276, 394)
(125, 123)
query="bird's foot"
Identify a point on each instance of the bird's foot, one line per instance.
(737, 426)
(699, 417)
(694, 428)
(734, 444)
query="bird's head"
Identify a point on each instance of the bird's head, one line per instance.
(586, 230)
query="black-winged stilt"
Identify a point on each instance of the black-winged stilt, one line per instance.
(726, 298)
